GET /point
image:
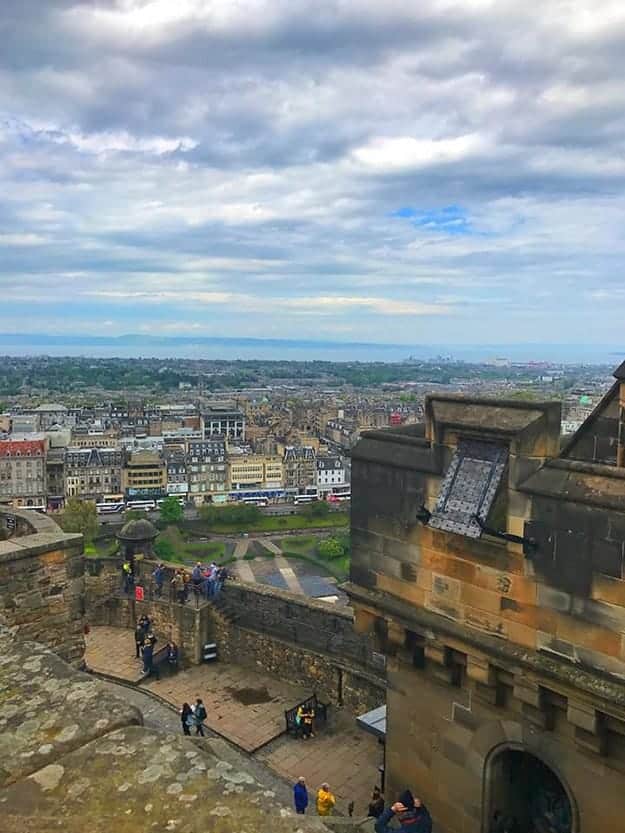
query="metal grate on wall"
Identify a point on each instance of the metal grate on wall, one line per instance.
(469, 487)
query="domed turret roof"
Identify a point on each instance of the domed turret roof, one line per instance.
(138, 530)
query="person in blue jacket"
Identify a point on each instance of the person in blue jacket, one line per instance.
(300, 796)
(412, 815)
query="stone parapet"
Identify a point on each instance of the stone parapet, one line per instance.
(42, 582)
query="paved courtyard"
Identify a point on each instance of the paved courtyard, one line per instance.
(342, 754)
(247, 706)
(243, 705)
(111, 651)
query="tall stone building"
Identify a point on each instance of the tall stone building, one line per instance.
(223, 419)
(255, 471)
(489, 564)
(206, 469)
(299, 467)
(144, 475)
(23, 481)
(91, 473)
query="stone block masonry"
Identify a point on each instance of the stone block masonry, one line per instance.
(307, 623)
(334, 681)
(301, 640)
(42, 583)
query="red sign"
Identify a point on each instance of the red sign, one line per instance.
(139, 594)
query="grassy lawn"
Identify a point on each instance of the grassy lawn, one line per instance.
(102, 547)
(306, 544)
(337, 567)
(270, 523)
(184, 550)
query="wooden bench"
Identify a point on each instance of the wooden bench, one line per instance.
(320, 709)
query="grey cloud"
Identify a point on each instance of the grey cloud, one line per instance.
(267, 191)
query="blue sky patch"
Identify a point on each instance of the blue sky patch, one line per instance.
(451, 219)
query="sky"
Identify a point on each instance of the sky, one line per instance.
(426, 172)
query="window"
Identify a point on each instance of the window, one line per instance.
(469, 487)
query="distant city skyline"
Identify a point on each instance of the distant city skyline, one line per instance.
(275, 349)
(423, 173)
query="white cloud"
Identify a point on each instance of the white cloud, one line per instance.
(404, 152)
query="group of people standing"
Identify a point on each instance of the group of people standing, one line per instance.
(325, 800)
(204, 580)
(145, 642)
(193, 717)
(412, 814)
(305, 721)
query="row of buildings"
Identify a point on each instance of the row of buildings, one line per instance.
(36, 472)
(201, 451)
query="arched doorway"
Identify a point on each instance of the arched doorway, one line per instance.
(524, 795)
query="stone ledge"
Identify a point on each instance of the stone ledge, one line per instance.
(39, 543)
(609, 690)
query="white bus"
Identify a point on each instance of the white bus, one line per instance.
(180, 500)
(141, 504)
(255, 501)
(108, 508)
(305, 499)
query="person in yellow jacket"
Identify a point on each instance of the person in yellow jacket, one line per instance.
(325, 800)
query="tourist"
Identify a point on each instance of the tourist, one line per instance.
(148, 658)
(127, 577)
(186, 586)
(186, 718)
(325, 800)
(300, 796)
(145, 623)
(200, 716)
(299, 720)
(159, 579)
(139, 638)
(197, 578)
(211, 579)
(308, 717)
(222, 575)
(177, 584)
(151, 640)
(376, 805)
(412, 814)
(172, 656)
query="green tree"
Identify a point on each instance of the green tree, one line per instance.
(164, 549)
(240, 514)
(135, 515)
(208, 514)
(330, 548)
(317, 509)
(171, 511)
(81, 516)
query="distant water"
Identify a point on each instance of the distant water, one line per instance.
(279, 349)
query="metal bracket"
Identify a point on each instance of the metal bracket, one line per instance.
(530, 545)
(423, 515)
